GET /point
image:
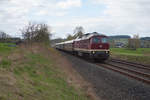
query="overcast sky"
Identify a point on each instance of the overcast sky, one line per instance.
(110, 17)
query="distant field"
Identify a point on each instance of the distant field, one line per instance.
(124, 51)
(6, 48)
(140, 55)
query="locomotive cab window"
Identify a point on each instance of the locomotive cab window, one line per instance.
(104, 40)
(95, 40)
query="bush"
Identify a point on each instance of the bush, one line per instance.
(36, 33)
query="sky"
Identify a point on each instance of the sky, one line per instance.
(110, 17)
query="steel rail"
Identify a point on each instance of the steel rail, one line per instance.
(131, 63)
(131, 70)
(134, 76)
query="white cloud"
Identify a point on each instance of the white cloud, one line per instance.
(16, 13)
(69, 3)
(104, 24)
(118, 17)
(127, 8)
(126, 16)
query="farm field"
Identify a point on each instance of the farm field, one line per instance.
(31, 73)
(6, 48)
(141, 55)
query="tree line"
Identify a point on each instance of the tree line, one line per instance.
(41, 33)
(36, 33)
(4, 37)
(31, 33)
(77, 32)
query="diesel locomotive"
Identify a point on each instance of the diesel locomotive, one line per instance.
(93, 45)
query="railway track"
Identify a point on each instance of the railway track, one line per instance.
(136, 71)
(142, 66)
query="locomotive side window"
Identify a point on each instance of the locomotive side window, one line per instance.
(96, 40)
(104, 40)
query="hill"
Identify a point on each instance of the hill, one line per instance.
(118, 40)
(145, 38)
(119, 36)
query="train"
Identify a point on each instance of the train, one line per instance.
(92, 45)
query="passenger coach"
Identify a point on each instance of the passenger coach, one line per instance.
(93, 45)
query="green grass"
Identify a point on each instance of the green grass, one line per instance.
(46, 80)
(124, 51)
(35, 76)
(141, 55)
(6, 48)
(5, 63)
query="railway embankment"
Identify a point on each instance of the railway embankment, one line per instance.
(110, 84)
(39, 73)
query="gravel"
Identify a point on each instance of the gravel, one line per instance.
(110, 85)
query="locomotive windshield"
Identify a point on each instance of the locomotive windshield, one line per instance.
(99, 40)
(96, 40)
(104, 40)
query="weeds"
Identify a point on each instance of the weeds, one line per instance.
(5, 63)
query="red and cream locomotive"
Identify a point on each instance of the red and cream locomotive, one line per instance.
(93, 45)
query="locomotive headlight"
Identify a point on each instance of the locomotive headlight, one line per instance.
(107, 51)
(100, 46)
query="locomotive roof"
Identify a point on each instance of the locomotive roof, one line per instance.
(88, 35)
(84, 37)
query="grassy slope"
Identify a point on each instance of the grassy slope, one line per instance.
(141, 55)
(30, 74)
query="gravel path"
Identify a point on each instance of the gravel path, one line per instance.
(110, 85)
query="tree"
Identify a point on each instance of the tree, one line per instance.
(112, 43)
(36, 33)
(134, 43)
(4, 35)
(70, 37)
(78, 31)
